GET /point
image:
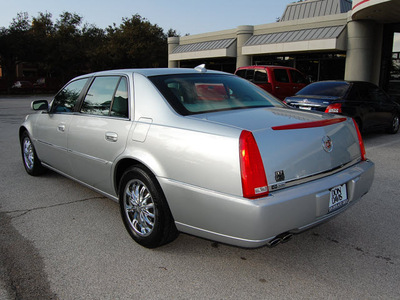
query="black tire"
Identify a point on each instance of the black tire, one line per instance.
(144, 209)
(32, 163)
(394, 127)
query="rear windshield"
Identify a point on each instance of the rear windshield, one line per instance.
(201, 93)
(330, 89)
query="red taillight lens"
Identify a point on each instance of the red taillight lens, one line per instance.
(360, 141)
(335, 108)
(254, 180)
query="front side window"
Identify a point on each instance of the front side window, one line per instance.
(297, 77)
(201, 93)
(66, 99)
(107, 95)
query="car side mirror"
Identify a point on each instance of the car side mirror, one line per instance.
(40, 105)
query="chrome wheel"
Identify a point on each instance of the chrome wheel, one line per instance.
(32, 163)
(28, 153)
(144, 209)
(139, 208)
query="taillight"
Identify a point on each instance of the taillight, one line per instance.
(335, 108)
(360, 142)
(254, 180)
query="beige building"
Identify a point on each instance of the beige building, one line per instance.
(325, 39)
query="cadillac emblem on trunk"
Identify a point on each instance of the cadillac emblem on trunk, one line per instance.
(327, 144)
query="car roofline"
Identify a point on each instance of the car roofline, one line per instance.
(147, 72)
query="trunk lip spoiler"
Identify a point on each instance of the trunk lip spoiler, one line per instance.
(312, 124)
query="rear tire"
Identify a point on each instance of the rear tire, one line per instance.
(144, 209)
(32, 163)
(394, 127)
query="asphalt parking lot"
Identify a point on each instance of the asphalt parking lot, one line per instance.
(60, 240)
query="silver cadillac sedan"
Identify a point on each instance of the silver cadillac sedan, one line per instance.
(197, 151)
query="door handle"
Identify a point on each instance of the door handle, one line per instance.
(111, 137)
(61, 127)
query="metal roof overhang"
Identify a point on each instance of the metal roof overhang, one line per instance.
(329, 38)
(208, 49)
(382, 11)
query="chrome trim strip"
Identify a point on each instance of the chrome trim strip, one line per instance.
(305, 104)
(52, 145)
(76, 153)
(289, 183)
(86, 156)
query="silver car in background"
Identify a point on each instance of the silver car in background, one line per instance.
(197, 151)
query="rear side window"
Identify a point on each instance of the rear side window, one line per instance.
(355, 93)
(66, 99)
(377, 94)
(260, 76)
(281, 75)
(249, 75)
(119, 107)
(241, 73)
(107, 96)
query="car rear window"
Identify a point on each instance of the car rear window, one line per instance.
(330, 89)
(201, 93)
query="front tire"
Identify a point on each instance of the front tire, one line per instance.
(144, 209)
(32, 163)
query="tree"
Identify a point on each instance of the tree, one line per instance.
(137, 43)
(172, 33)
(66, 48)
(43, 42)
(13, 45)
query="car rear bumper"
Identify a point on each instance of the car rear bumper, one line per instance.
(254, 223)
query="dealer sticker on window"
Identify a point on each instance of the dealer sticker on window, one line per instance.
(338, 197)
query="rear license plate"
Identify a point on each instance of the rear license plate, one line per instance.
(305, 107)
(338, 197)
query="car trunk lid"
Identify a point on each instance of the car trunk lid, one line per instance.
(296, 145)
(315, 103)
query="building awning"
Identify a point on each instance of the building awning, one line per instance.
(208, 49)
(312, 39)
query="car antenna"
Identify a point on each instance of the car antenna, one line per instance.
(201, 68)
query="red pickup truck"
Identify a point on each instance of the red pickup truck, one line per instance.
(279, 81)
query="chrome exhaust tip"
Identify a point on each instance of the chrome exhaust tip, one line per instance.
(274, 242)
(280, 238)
